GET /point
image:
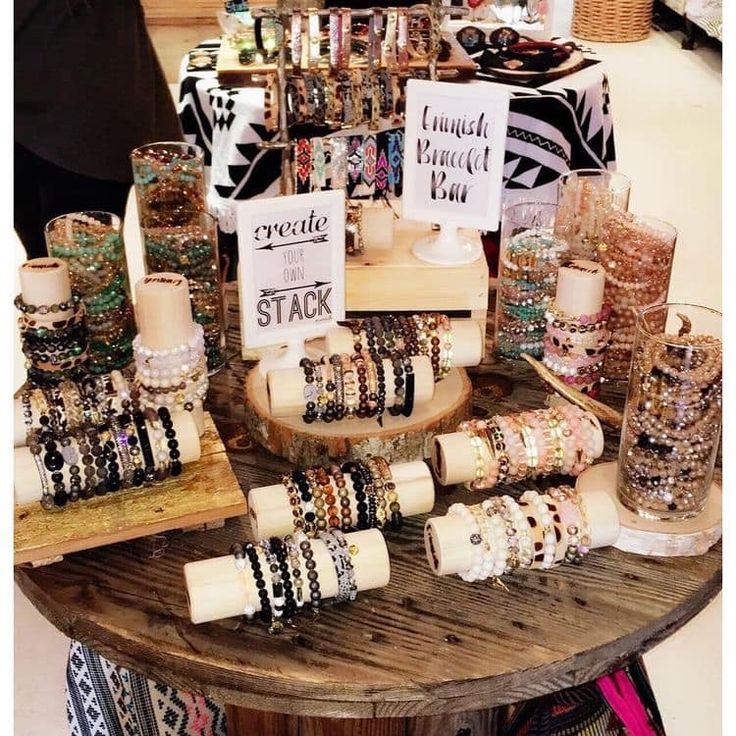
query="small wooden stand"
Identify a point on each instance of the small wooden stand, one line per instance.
(396, 281)
(207, 491)
(399, 440)
(658, 538)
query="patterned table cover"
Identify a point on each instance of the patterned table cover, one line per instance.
(566, 124)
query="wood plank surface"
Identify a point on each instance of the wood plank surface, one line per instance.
(421, 646)
(206, 491)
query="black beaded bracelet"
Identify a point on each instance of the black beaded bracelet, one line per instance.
(175, 466)
(409, 387)
(311, 392)
(277, 587)
(255, 566)
(282, 555)
(361, 497)
(145, 443)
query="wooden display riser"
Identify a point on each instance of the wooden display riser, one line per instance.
(655, 538)
(399, 440)
(206, 493)
(395, 280)
(231, 73)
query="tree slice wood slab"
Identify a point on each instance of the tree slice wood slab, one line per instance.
(207, 491)
(399, 440)
(658, 538)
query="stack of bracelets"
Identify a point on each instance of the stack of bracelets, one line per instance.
(176, 378)
(365, 166)
(80, 431)
(324, 85)
(93, 249)
(638, 263)
(348, 386)
(55, 348)
(575, 346)
(418, 334)
(289, 564)
(672, 424)
(527, 281)
(320, 497)
(560, 440)
(529, 533)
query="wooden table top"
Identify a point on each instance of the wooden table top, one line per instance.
(423, 645)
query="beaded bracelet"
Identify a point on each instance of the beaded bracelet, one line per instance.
(238, 552)
(338, 548)
(315, 594)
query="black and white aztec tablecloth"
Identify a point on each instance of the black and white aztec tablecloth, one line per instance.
(563, 125)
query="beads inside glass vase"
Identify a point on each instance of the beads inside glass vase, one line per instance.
(530, 257)
(169, 182)
(672, 419)
(191, 250)
(91, 243)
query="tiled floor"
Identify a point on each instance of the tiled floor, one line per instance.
(667, 111)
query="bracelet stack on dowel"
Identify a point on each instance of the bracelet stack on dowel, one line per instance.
(502, 535)
(505, 449)
(347, 496)
(333, 566)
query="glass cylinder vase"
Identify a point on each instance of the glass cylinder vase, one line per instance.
(91, 243)
(672, 420)
(637, 256)
(527, 277)
(169, 182)
(585, 199)
(191, 250)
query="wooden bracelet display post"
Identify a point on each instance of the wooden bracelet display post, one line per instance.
(271, 513)
(164, 318)
(580, 286)
(450, 551)
(46, 281)
(454, 459)
(217, 589)
(273, 418)
(467, 342)
(27, 482)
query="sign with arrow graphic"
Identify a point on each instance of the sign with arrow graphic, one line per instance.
(292, 267)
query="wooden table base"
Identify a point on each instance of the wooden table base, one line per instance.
(245, 722)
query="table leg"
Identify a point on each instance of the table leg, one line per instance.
(245, 722)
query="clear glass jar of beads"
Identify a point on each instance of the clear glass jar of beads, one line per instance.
(672, 420)
(638, 256)
(527, 277)
(91, 243)
(585, 199)
(169, 182)
(191, 250)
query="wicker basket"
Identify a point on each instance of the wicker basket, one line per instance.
(615, 21)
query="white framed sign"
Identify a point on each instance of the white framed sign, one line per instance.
(454, 153)
(292, 266)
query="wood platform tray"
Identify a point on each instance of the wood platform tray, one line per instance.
(206, 491)
(231, 73)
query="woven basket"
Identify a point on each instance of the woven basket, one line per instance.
(616, 21)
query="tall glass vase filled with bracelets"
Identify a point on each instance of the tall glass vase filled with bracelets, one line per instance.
(586, 198)
(91, 243)
(672, 420)
(531, 254)
(191, 250)
(637, 256)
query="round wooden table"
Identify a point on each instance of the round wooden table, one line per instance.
(424, 655)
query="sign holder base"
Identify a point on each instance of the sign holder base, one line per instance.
(280, 358)
(448, 248)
